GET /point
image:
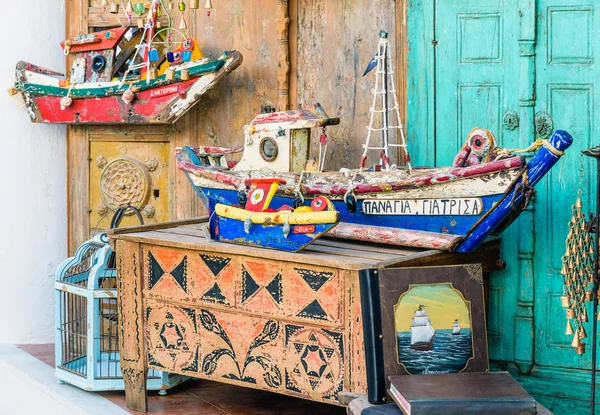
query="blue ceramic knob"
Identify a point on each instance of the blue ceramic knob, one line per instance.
(153, 55)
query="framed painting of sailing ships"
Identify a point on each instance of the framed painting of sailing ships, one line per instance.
(424, 321)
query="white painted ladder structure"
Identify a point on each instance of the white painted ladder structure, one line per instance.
(143, 49)
(384, 86)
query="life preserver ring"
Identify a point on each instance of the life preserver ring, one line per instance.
(319, 204)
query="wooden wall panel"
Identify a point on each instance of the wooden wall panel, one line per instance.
(336, 41)
(330, 44)
(249, 26)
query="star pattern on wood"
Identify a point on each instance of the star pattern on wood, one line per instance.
(171, 336)
(315, 361)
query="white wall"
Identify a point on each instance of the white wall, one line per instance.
(32, 179)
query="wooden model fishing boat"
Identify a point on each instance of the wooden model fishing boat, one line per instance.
(114, 80)
(257, 224)
(448, 208)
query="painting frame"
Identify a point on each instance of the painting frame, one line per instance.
(381, 292)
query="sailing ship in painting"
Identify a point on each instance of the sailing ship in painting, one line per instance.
(429, 339)
(124, 75)
(456, 328)
(422, 332)
(448, 208)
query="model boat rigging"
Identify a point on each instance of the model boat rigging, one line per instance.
(124, 75)
(448, 208)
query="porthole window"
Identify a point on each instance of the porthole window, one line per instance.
(268, 149)
(98, 63)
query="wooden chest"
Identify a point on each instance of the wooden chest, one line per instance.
(289, 323)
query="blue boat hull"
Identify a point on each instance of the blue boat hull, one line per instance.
(264, 236)
(445, 224)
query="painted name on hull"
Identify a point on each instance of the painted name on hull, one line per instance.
(164, 91)
(302, 229)
(426, 207)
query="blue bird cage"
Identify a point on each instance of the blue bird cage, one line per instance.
(87, 351)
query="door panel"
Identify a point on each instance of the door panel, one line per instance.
(476, 79)
(128, 172)
(477, 62)
(565, 84)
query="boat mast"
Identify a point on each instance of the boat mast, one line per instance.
(143, 49)
(384, 87)
(384, 157)
(150, 35)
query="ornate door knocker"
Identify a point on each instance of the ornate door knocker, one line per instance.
(511, 120)
(543, 124)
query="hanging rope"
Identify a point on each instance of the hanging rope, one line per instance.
(536, 145)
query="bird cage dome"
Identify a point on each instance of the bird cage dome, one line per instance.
(87, 351)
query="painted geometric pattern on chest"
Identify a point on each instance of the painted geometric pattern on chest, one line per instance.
(216, 279)
(194, 276)
(261, 286)
(172, 337)
(312, 293)
(167, 272)
(314, 362)
(241, 349)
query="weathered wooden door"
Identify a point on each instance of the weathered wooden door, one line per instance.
(567, 79)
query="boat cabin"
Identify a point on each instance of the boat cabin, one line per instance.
(95, 55)
(280, 141)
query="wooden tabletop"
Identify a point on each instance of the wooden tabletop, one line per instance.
(343, 254)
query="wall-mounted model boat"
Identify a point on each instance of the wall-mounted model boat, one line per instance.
(117, 80)
(257, 224)
(447, 208)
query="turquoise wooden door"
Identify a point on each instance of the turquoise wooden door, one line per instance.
(488, 64)
(464, 73)
(568, 78)
(477, 68)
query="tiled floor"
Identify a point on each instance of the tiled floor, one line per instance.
(209, 398)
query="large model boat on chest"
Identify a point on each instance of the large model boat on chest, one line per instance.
(448, 208)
